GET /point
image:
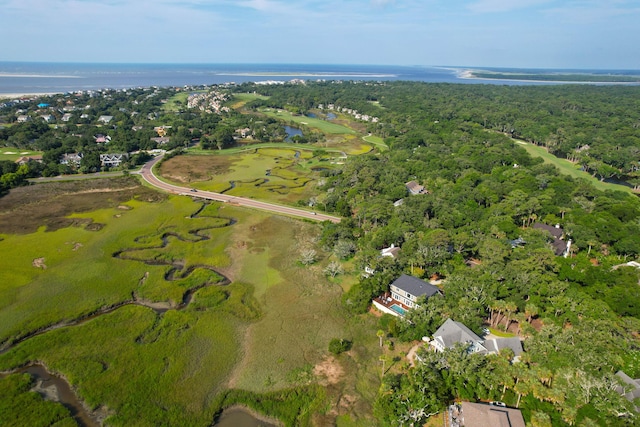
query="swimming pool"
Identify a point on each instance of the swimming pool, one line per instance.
(401, 311)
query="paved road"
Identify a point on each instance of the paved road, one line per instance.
(149, 176)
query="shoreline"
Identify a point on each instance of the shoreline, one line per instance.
(12, 96)
(246, 409)
(468, 74)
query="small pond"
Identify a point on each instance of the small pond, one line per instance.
(311, 115)
(291, 132)
(331, 116)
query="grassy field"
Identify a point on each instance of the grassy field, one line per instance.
(323, 126)
(376, 141)
(568, 168)
(14, 153)
(240, 99)
(177, 102)
(267, 330)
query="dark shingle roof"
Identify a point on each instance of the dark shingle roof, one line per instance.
(415, 286)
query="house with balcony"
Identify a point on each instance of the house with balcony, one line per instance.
(403, 295)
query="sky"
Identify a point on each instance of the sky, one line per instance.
(580, 34)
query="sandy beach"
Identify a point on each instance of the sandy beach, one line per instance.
(10, 96)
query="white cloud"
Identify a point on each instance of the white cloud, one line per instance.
(491, 6)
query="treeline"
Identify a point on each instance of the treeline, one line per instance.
(597, 127)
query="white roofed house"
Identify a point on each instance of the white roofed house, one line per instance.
(105, 119)
(392, 251)
(113, 160)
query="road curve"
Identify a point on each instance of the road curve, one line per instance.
(147, 174)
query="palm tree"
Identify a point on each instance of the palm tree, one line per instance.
(510, 308)
(380, 335)
(531, 311)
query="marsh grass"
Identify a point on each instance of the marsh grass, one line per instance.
(260, 333)
(21, 407)
(275, 174)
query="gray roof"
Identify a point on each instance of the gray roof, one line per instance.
(554, 231)
(481, 415)
(452, 332)
(497, 344)
(415, 286)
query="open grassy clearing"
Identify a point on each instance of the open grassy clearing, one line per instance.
(240, 99)
(8, 153)
(283, 175)
(376, 141)
(568, 168)
(177, 102)
(324, 126)
(267, 331)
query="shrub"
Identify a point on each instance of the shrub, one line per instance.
(337, 346)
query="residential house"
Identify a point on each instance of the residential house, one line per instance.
(495, 414)
(392, 251)
(161, 140)
(398, 203)
(71, 159)
(403, 295)
(66, 117)
(48, 118)
(415, 188)
(102, 139)
(105, 119)
(244, 133)
(26, 159)
(113, 160)
(161, 130)
(560, 247)
(451, 333)
(24, 118)
(630, 389)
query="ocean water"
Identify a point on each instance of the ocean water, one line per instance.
(31, 77)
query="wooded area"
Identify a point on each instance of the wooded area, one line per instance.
(473, 226)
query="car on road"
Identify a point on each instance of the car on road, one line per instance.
(193, 190)
(495, 403)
